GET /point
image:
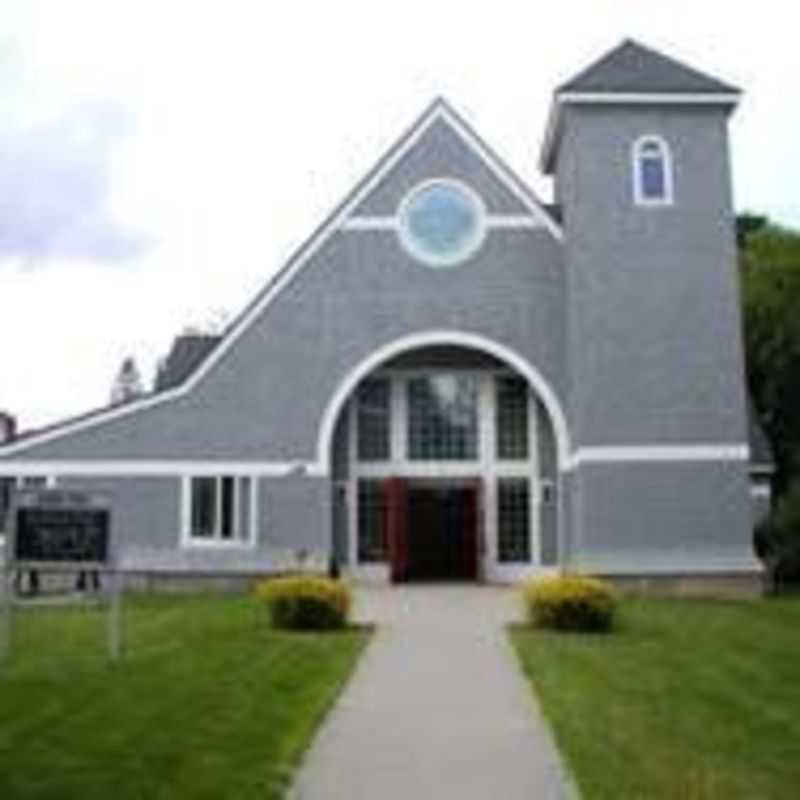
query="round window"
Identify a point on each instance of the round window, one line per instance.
(442, 222)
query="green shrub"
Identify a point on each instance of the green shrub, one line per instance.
(305, 603)
(570, 603)
(778, 540)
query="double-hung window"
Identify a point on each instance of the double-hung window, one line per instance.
(220, 510)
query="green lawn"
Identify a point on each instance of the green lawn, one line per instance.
(208, 702)
(687, 699)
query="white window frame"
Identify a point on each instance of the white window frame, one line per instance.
(469, 248)
(665, 153)
(238, 540)
(486, 466)
(50, 481)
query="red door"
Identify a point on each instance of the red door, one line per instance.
(396, 492)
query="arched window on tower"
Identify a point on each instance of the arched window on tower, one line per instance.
(652, 172)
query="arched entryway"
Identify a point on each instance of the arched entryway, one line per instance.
(445, 461)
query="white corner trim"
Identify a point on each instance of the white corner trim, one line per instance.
(474, 341)
(637, 174)
(438, 111)
(660, 453)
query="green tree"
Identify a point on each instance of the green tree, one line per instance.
(770, 269)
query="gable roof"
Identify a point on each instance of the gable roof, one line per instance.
(439, 109)
(632, 67)
(633, 74)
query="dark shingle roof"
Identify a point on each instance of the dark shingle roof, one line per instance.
(631, 67)
(188, 350)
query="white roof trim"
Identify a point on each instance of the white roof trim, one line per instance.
(622, 98)
(132, 468)
(438, 111)
(668, 98)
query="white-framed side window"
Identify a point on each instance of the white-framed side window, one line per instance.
(653, 180)
(37, 482)
(219, 510)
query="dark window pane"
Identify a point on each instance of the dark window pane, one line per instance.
(653, 179)
(204, 491)
(512, 418)
(513, 520)
(371, 521)
(443, 418)
(227, 521)
(374, 412)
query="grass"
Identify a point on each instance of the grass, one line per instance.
(208, 702)
(688, 698)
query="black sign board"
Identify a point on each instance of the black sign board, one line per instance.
(60, 527)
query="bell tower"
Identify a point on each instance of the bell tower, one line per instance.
(638, 148)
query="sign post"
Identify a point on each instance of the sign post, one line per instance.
(63, 532)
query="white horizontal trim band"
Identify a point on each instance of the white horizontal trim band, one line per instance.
(675, 98)
(134, 468)
(660, 453)
(493, 221)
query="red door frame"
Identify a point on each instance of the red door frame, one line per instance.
(472, 532)
(396, 515)
(396, 493)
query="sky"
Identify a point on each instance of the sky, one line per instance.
(160, 161)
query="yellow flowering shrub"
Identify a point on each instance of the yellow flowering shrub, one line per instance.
(570, 602)
(305, 602)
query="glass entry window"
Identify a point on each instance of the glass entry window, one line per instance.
(374, 416)
(511, 421)
(436, 428)
(513, 520)
(443, 417)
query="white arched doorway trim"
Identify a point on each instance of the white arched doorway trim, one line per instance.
(415, 341)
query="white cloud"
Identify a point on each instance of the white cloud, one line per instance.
(254, 119)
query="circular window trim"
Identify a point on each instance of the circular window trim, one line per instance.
(472, 244)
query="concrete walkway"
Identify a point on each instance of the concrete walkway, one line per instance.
(437, 708)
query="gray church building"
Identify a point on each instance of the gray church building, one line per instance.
(451, 379)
